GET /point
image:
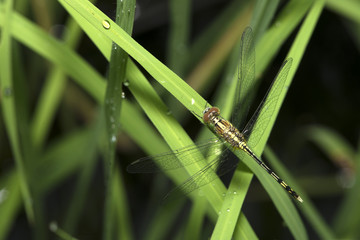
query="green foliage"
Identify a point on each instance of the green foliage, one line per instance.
(40, 129)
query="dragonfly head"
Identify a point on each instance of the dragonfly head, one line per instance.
(209, 113)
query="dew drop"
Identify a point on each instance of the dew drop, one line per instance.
(106, 24)
(126, 83)
(113, 138)
(123, 95)
(192, 101)
(228, 210)
(235, 192)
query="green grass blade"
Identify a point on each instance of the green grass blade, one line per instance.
(336, 148)
(180, 12)
(230, 210)
(9, 106)
(125, 12)
(52, 92)
(284, 24)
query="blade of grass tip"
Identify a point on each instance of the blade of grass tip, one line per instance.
(308, 209)
(125, 12)
(9, 106)
(53, 226)
(10, 202)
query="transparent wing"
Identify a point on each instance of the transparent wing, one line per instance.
(216, 168)
(246, 76)
(264, 112)
(176, 159)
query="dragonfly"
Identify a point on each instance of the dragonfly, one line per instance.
(228, 135)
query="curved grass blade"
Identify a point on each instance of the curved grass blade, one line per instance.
(8, 104)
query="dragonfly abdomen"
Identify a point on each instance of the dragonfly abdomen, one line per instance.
(230, 134)
(273, 174)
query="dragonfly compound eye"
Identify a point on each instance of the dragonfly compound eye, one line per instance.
(210, 113)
